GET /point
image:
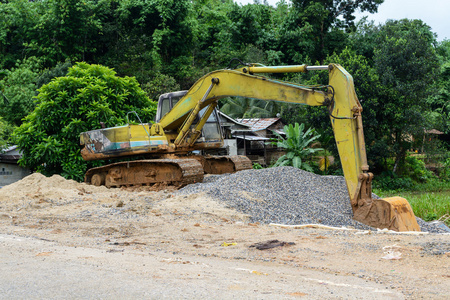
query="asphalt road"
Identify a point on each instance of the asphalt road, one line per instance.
(33, 268)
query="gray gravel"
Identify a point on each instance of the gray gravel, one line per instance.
(287, 195)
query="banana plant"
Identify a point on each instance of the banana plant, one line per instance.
(297, 146)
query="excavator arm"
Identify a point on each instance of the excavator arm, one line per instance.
(338, 96)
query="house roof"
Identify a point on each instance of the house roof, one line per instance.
(230, 119)
(252, 138)
(433, 131)
(9, 149)
(233, 124)
(259, 124)
(10, 154)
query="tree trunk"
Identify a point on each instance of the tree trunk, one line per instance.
(400, 157)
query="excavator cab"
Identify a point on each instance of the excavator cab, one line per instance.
(211, 131)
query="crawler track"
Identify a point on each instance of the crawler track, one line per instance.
(152, 172)
(226, 164)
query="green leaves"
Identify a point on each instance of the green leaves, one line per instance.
(69, 105)
(240, 107)
(297, 146)
(407, 65)
(19, 87)
(64, 29)
(5, 132)
(168, 44)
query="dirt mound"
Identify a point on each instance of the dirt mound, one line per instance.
(37, 185)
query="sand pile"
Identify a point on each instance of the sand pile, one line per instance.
(37, 185)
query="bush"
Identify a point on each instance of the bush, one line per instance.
(416, 170)
(19, 86)
(390, 181)
(257, 166)
(414, 173)
(444, 172)
(49, 137)
(297, 145)
(160, 84)
(5, 133)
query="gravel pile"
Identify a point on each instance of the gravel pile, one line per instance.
(286, 195)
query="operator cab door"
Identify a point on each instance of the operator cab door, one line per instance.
(211, 132)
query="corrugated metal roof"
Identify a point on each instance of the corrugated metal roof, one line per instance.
(252, 138)
(232, 120)
(10, 154)
(259, 124)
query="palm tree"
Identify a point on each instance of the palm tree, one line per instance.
(296, 145)
(240, 107)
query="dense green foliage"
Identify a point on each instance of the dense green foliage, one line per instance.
(406, 62)
(427, 193)
(297, 145)
(401, 73)
(5, 133)
(240, 107)
(19, 87)
(69, 105)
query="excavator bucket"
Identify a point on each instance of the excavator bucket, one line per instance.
(393, 213)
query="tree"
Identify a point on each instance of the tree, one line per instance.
(5, 133)
(18, 18)
(241, 107)
(66, 29)
(59, 70)
(297, 146)
(19, 87)
(407, 65)
(213, 45)
(69, 105)
(251, 24)
(440, 102)
(362, 39)
(323, 23)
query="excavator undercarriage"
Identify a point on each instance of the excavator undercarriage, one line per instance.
(150, 172)
(161, 173)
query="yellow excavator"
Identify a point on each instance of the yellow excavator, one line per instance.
(187, 121)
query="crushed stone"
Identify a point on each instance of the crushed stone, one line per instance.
(286, 195)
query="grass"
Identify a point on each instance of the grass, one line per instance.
(429, 201)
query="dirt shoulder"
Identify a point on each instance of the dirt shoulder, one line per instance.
(164, 241)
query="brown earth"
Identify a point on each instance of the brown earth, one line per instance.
(196, 231)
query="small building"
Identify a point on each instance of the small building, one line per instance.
(10, 171)
(254, 142)
(229, 128)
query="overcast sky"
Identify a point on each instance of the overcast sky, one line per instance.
(435, 13)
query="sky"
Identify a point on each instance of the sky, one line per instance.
(435, 13)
